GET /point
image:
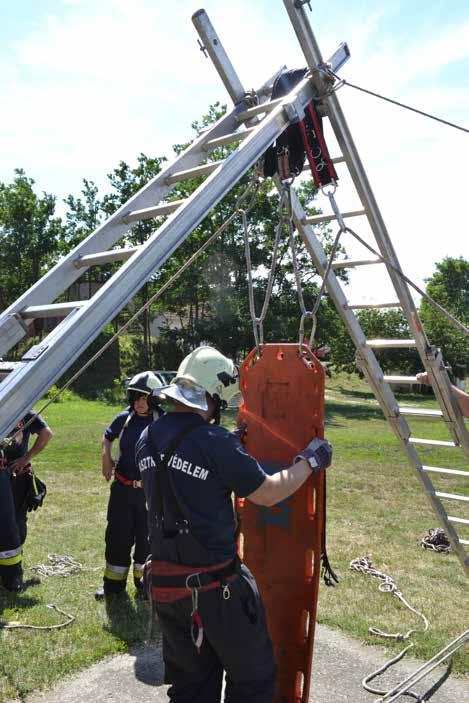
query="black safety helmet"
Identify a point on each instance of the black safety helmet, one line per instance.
(142, 384)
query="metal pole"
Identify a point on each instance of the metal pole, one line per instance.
(217, 53)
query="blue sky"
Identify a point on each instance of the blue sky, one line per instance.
(85, 84)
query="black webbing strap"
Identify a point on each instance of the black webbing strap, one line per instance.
(163, 490)
(327, 571)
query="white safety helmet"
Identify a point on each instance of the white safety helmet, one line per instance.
(142, 384)
(205, 370)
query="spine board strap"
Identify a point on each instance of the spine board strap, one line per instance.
(327, 572)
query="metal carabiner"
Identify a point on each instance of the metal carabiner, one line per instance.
(301, 334)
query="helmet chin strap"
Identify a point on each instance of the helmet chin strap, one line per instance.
(216, 410)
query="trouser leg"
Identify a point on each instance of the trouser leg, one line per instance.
(237, 631)
(142, 547)
(20, 486)
(10, 538)
(119, 539)
(194, 677)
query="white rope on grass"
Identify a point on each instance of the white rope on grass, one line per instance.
(14, 625)
(60, 565)
(387, 584)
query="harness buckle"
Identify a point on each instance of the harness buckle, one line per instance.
(136, 484)
(226, 592)
(196, 586)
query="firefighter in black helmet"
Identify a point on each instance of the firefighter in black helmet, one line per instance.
(127, 514)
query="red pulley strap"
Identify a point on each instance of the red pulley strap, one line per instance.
(319, 160)
(283, 392)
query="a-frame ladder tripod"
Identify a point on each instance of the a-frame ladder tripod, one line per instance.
(255, 128)
(431, 357)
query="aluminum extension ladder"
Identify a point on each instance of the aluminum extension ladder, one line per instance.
(431, 357)
(255, 128)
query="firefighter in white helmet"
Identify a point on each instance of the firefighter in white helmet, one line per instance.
(127, 514)
(208, 603)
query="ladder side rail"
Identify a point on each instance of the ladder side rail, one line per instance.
(26, 385)
(374, 375)
(65, 272)
(438, 375)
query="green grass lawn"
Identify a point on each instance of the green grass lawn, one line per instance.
(375, 507)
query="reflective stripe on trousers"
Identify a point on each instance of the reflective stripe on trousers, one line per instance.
(138, 570)
(116, 573)
(11, 556)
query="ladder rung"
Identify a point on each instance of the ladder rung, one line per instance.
(203, 170)
(401, 379)
(257, 110)
(452, 496)
(390, 343)
(432, 442)
(463, 541)
(34, 312)
(371, 306)
(351, 263)
(105, 257)
(420, 412)
(149, 212)
(227, 139)
(319, 219)
(459, 520)
(439, 470)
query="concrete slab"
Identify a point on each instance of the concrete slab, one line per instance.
(340, 663)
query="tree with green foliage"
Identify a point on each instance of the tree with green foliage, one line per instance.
(449, 286)
(30, 236)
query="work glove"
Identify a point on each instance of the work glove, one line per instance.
(240, 432)
(318, 454)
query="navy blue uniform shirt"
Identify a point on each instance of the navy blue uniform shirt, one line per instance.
(205, 469)
(126, 463)
(19, 447)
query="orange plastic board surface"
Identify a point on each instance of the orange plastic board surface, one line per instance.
(283, 392)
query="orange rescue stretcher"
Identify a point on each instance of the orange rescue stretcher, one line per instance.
(283, 391)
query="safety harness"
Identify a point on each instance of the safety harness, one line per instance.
(301, 139)
(127, 481)
(171, 582)
(119, 477)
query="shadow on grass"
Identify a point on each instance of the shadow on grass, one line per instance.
(14, 601)
(127, 618)
(351, 412)
(360, 395)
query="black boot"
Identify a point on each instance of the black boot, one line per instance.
(13, 583)
(109, 589)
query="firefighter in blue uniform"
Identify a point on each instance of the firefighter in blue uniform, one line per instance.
(127, 514)
(17, 495)
(208, 604)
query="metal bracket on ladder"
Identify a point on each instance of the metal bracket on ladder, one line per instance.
(431, 358)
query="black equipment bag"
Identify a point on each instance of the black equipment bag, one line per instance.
(300, 140)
